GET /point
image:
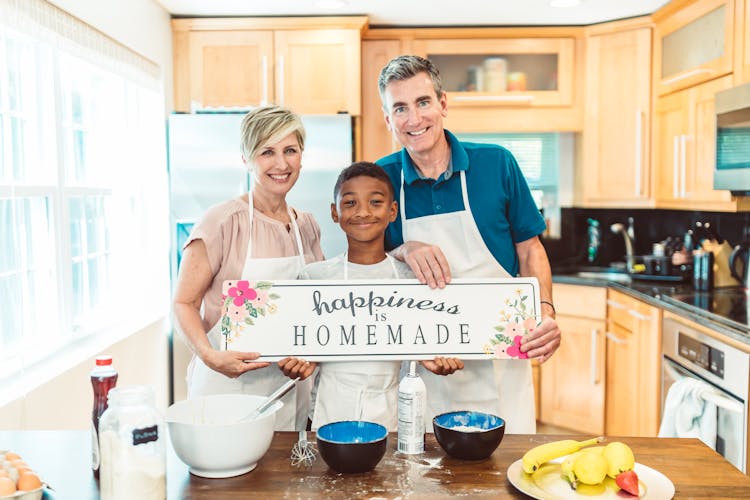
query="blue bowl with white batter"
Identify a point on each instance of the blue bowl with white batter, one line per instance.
(352, 445)
(468, 435)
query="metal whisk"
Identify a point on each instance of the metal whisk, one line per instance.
(303, 451)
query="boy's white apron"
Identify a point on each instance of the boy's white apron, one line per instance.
(202, 380)
(502, 387)
(358, 390)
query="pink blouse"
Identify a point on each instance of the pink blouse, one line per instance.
(224, 230)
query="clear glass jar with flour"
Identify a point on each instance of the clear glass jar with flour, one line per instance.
(132, 439)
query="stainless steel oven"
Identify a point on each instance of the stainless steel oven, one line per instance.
(725, 369)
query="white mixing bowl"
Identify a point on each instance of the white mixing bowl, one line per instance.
(206, 436)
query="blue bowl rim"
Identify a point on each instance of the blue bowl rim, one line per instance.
(438, 424)
(382, 427)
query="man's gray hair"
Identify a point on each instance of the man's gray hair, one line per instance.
(405, 67)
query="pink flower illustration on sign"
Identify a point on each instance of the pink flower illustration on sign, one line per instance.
(244, 302)
(242, 291)
(514, 350)
(517, 320)
(237, 313)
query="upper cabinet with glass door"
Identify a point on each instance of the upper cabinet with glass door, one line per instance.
(503, 71)
(694, 43)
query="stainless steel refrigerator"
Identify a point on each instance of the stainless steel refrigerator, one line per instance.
(205, 168)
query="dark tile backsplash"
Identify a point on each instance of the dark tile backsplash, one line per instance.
(650, 226)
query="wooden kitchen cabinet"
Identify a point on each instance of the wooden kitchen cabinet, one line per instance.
(616, 146)
(302, 63)
(503, 71)
(685, 151)
(377, 140)
(573, 380)
(694, 43)
(550, 59)
(633, 379)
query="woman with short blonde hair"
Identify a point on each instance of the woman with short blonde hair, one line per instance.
(256, 236)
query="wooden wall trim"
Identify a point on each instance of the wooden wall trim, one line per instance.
(475, 33)
(268, 23)
(671, 8)
(618, 26)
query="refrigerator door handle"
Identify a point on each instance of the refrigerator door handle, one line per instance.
(264, 83)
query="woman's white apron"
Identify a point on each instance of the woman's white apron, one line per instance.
(202, 380)
(502, 387)
(358, 390)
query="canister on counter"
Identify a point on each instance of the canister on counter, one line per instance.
(703, 270)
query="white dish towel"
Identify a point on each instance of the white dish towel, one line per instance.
(687, 413)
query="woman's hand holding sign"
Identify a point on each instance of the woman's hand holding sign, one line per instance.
(233, 363)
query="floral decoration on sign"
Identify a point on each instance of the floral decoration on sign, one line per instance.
(243, 303)
(517, 319)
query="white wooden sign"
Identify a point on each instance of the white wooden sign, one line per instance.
(339, 320)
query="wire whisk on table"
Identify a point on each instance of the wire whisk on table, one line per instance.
(303, 451)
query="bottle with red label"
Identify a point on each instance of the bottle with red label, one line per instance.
(103, 378)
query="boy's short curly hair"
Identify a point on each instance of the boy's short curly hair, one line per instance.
(359, 169)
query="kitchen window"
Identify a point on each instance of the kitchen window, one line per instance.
(83, 192)
(546, 160)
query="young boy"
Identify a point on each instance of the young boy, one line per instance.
(363, 390)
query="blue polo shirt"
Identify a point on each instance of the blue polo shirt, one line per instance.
(500, 199)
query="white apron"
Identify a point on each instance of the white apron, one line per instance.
(357, 390)
(202, 380)
(502, 387)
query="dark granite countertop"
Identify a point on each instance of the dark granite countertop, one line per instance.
(722, 309)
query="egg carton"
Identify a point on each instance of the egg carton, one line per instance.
(35, 494)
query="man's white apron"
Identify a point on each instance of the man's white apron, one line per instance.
(502, 387)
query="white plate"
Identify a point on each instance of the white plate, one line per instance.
(548, 484)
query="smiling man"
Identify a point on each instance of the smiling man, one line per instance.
(465, 210)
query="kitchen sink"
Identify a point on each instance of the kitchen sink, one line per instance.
(604, 273)
(620, 277)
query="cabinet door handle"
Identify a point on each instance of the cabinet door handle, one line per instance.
(614, 338)
(594, 356)
(264, 83)
(638, 315)
(675, 166)
(615, 304)
(638, 151)
(519, 99)
(696, 71)
(683, 168)
(280, 97)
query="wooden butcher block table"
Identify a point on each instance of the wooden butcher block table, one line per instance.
(62, 459)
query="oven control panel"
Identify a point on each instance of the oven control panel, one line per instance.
(703, 355)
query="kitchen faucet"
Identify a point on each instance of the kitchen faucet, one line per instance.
(629, 236)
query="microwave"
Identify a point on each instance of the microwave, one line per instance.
(732, 169)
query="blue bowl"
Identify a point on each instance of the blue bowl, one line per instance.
(469, 435)
(352, 445)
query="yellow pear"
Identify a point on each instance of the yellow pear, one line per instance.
(619, 457)
(590, 468)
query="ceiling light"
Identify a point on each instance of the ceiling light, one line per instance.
(564, 3)
(330, 4)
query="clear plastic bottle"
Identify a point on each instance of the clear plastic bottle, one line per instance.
(412, 401)
(103, 378)
(132, 439)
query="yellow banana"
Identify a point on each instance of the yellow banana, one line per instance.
(538, 455)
